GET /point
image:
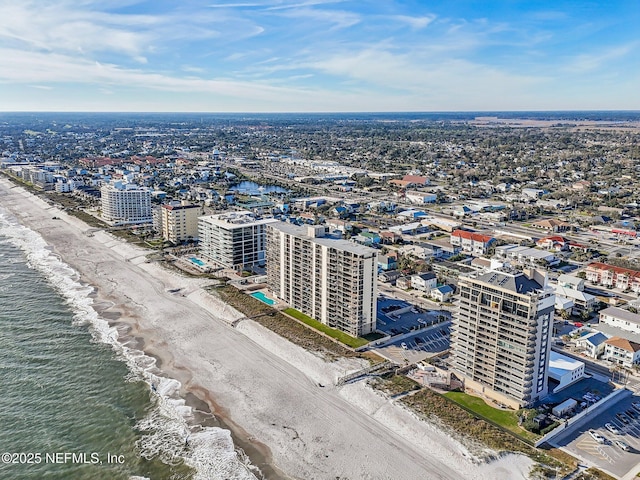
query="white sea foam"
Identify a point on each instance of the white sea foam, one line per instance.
(170, 431)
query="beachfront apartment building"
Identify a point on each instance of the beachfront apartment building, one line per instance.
(179, 223)
(501, 334)
(125, 204)
(234, 240)
(331, 280)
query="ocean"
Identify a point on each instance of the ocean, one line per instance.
(76, 403)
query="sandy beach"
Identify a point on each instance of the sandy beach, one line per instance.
(262, 387)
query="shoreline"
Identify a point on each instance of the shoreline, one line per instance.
(263, 387)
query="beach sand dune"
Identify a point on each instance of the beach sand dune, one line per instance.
(265, 388)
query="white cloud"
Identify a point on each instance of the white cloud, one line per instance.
(339, 18)
(414, 22)
(589, 62)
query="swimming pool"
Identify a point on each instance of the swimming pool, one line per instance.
(263, 298)
(197, 261)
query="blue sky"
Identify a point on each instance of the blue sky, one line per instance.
(319, 55)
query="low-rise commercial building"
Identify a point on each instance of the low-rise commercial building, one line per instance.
(564, 370)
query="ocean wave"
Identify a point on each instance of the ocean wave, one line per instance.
(170, 432)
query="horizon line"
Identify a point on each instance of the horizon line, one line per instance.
(297, 112)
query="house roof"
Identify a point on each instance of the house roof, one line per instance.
(573, 294)
(476, 237)
(426, 276)
(551, 223)
(570, 279)
(415, 179)
(594, 338)
(444, 289)
(553, 238)
(617, 270)
(623, 344)
(622, 314)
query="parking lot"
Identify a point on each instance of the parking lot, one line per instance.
(606, 454)
(419, 346)
(397, 317)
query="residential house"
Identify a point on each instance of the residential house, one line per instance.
(572, 288)
(366, 238)
(592, 344)
(618, 317)
(412, 228)
(442, 293)
(554, 242)
(412, 214)
(552, 225)
(622, 351)
(582, 301)
(387, 262)
(526, 255)
(403, 282)
(335, 224)
(424, 281)
(389, 276)
(471, 242)
(461, 211)
(389, 238)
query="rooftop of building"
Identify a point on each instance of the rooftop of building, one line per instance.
(510, 279)
(560, 364)
(613, 268)
(179, 207)
(594, 338)
(622, 314)
(476, 237)
(338, 244)
(237, 219)
(623, 344)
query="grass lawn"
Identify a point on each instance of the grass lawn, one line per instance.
(507, 418)
(342, 337)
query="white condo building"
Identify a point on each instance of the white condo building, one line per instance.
(333, 281)
(501, 335)
(125, 204)
(234, 239)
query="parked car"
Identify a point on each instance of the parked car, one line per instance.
(622, 417)
(612, 428)
(624, 446)
(404, 345)
(597, 437)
